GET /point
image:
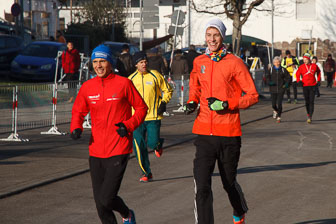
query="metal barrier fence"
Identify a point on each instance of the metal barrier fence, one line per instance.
(181, 92)
(31, 106)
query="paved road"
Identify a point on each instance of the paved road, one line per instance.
(287, 171)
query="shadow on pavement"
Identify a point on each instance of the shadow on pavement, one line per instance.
(321, 221)
(11, 162)
(257, 169)
(172, 178)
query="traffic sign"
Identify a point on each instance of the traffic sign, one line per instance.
(16, 9)
(181, 17)
(179, 30)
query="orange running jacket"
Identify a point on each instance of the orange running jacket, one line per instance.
(226, 80)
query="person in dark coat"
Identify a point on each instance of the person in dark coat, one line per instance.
(190, 56)
(178, 68)
(329, 69)
(126, 58)
(278, 79)
(155, 62)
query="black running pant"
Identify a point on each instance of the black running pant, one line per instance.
(277, 101)
(309, 96)
(294, 85)
(226, 152)
(330, 78)
(106, 176)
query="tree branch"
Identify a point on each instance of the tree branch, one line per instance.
(250, 8)
(206, 10)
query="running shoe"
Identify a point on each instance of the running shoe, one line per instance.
(275, 114)
(278, 119)
(130, 219)
(289, 101)
(239, 219)
(158, 152)
(145, 179)
(309, 120)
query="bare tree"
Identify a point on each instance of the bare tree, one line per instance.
(236, 10)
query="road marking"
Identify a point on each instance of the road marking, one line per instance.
(330, 140)
(301, 139)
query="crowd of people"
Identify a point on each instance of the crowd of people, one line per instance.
(127, 108)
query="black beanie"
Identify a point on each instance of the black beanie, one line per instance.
(139, 56)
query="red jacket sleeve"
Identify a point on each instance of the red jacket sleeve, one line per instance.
(77, 60)
(139, 105)
(63, 59)
(318, 71)
(79, 110)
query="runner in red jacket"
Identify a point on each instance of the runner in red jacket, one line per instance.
(307, 70)
(109, 98)
(70, 65)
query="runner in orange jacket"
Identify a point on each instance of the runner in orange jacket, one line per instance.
(217, 82)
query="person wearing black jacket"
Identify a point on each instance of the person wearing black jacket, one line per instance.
(192, 54)
(278, 80)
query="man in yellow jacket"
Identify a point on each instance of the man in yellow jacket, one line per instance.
(150, 84)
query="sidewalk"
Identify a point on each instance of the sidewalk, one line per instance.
(46, 159)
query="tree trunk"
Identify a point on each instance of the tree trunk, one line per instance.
(236, 34)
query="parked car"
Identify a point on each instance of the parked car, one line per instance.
(10, 46)
(116, 47)
(37, 62)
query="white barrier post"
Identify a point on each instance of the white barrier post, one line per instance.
(53, 130)
(86, 123)
(14, 136)
(180, 109)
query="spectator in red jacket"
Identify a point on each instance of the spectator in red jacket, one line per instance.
(109, 98)
(70, 65)
(307, 70)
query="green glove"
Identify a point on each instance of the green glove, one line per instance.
(285, 86)
(216, 104)
(271, 83)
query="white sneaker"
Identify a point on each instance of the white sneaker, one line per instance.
(278, 119)
(275, 114)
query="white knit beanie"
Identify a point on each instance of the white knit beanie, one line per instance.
(218, 24)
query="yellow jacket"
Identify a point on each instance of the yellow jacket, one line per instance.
(150, 85)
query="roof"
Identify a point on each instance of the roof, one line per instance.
(245, 40)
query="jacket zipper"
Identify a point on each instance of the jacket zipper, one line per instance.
(211, 112)
(104, 116)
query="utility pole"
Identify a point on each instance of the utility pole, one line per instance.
(272, 29)
(189, 22)
(141, 26)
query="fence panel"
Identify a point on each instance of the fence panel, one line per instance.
(181, 91)
(6, 109)
(34, 105)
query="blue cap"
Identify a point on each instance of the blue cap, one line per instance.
(102, 51)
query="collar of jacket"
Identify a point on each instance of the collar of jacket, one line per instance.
(277, 68)
(145, 73)
(109, 77)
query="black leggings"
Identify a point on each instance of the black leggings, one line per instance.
(330, 78)
(277, 102)
(226, 152)
(106, 177)
(309, 96)
(294, 84)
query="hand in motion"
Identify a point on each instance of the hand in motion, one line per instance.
(162, 108)
(189, 107)
(76, 134)
(122, 130)
(216, 104)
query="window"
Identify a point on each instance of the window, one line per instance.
(305, 9)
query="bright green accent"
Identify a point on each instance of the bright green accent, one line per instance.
(217, 105)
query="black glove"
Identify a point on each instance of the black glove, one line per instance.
(76, 134)
(162, 108)
(122, 130)
(190, 107)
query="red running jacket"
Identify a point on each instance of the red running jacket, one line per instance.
(308, 74)
(109, 101)
(70, 61)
